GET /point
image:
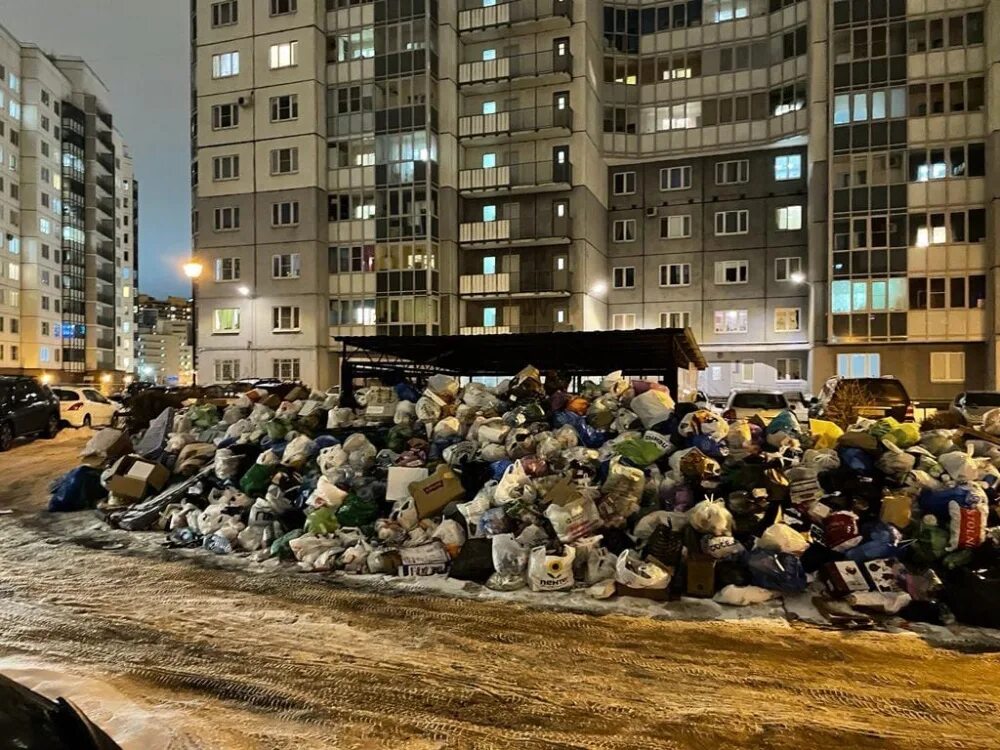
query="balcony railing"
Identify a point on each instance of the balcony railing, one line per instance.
(516, 121)
(106, 206)
(532, 283)
(488, 330)
(106, 298)
(526, 174)
(108, 277)
(106, 250)
(524, 229)
(106, 160)
(475, 16)
(535, 64)
(106, 227)
(107, 321)
(106, 183)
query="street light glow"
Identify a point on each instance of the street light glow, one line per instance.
(244, 290)
(192, 269)
(601, 287)
(798, 277)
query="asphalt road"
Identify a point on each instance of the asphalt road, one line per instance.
(177, 654)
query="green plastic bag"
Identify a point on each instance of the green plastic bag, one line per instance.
(639, 452)
(257, 479)
(281, 548)
(322, 521)
(276, 429)
(931, 542)
(357, 511)
(204, 416)
(398, 437)
(906, 435)
(883, 427)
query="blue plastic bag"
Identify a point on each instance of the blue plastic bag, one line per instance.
(406, 392)
(777, 571)
(935, 502)
(589, 435)
(499, 467)
(882, 542)
(325, 441)
(857, 460)
(79, 489)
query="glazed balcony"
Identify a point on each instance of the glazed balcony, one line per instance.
(532, 68)
(522, 177)
(527, 283)
(530, 120)
(474, 16)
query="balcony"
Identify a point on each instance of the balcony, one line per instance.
(107, 161)
(106, 183)
(108, 277)
(106, 298)
(104, 136)
(105, 342)
(106, 206)
(106, 227)
(524, 177)
(106, 250)
(535, 67)
(527, 284)
(530, 120)
(490, 330)
(107, 321)
(524, 231)
(475, 17)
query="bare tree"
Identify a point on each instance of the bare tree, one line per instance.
(849, 397)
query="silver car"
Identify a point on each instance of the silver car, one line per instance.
(972, 405)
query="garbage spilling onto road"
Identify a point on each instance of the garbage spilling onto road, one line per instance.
(615, 489)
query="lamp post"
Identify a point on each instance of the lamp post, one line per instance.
(799, 278)
(193, 269)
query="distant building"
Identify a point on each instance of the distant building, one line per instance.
(163, 353)
(151, 310)
(68, 212)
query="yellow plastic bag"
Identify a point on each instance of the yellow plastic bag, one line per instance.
(825, 434)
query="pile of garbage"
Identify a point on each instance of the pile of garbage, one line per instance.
(615, 489)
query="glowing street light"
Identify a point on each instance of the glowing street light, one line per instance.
(798, 277)
(244, 291)
(193, 269)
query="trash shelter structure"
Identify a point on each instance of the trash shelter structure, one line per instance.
(660, 353)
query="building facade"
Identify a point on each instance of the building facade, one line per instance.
(802, 183)
(68, 207)
(163, 352)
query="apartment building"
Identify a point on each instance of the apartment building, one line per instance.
(68, 200)
(802, 183)
(163, 353)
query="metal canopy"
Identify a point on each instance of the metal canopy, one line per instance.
(643, 352)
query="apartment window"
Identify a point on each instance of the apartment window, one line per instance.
(356, 259)
(225, 116)
(560, 208)
(285, 214)
(784, 268)
(44, 147)
(224, 14)
(45, 226)
(45, 97)
(675, 178)
(46, 278)
(286, 369)
(868, 296)
(226, 320)
(227, 218)
(46, 175)
(624, 183)
(624, 277)
(675, 274)
(226, 65)
(624, 230)
(559, 315)
(731, 321)
(15, 353)
(731, 272)
(46, 202)
(859, 365)
(286, 266)
(227, 269)
(789, 218)
(732, 222)
(283, 7)
(788, 167)
(727, 10)
(732, 172)
(787, 319)
(623, 322)
(284, 108)
(227, 370)
(285, 318)
(788, 368)
(284, 55)
(45, 328)
(352, 312)
(675, 227)
(947, 367)
(226, 167)
(285, 160)
(675, 320)
(45, 303)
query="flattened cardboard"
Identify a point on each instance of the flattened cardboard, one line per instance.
(700, 575)
(440, 488)
(399, 480)
(425, 560)
(563, 492)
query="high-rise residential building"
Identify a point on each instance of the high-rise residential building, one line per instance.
(68, 202)
(149, 310)
(163, 352)
(802, 183)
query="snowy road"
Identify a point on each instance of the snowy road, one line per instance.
(171, 654)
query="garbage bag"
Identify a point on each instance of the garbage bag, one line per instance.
(652, 407)
(960, 465)
(550, 572)
(322, 521)
(257, 479)
(588, 435)
(474, 562)
(895, 463)
(510, 561)
(575, 519)
(357, 511)
(781, 537)
(931, 541)
(78, 489)
(825, 434)
(784, 424)
(974, 596)
(968, 526)
(711, 516)
(743, 596)
(840, 531)
(777, 571)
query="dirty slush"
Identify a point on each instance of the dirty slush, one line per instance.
(580, 497)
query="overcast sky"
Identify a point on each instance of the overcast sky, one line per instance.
(140, 49)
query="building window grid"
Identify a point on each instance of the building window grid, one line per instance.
(732, 172)
(675, 274)
(623, 277)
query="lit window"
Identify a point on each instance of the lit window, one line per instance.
(44, 226)
(731, 321)
(947, 367)
(226, 320)
(489, 265)
(489, 317)
(227, 269)
(286, 266)
(789, 218)
(226, 65)
(489, 161)
(787, 319)
(284, 55)
(489, 108)
(788, 167)
(623, 322)
(489, 54)
(489, 213)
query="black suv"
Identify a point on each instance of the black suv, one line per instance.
(872, 398)
(26, 408)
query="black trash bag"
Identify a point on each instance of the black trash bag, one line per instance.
(731, 572)
(474, 561)
(615, 540)
(474, 475)
(974, 596)
(666, 545)
(817, 555)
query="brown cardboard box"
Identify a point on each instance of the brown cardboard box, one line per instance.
(440, 488)
(133, 477)
(700, 575)
(657, 595)
(563, 492)
(106, 445)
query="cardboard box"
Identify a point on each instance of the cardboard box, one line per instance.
(563, 492)
(700, 575)
(399, 480)
(657, 595)
(133, 477)
(106, 445)
(440, 488)
(425, 560)
(844, 578)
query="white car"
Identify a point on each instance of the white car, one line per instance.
(764, 404)
(82, 406)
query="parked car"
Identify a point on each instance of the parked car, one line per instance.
(799, 405)
(81, 406)
(745, 404)
(26, 408)
(885, 397)
(972, 405)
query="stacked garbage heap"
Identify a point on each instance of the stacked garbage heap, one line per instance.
(615, 489)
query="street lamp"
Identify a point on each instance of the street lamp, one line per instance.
(193, 270)
(798, 277)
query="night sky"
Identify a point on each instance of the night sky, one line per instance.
(140, 49)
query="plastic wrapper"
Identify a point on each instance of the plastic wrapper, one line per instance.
(711, 517)
(652, 407)
(633, 572)
(510, 561)
(780, 537)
